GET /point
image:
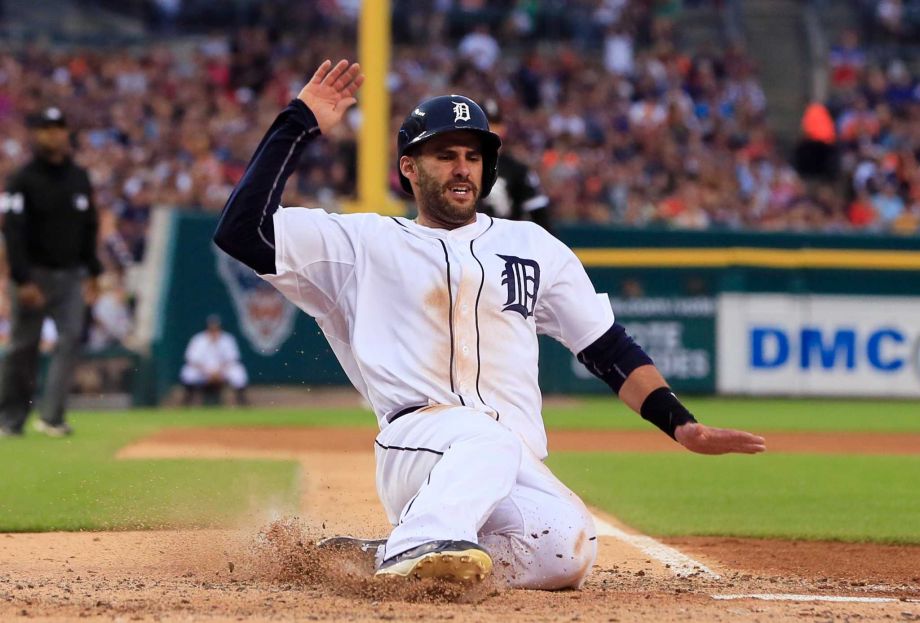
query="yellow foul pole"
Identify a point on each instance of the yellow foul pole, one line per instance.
(374, 101)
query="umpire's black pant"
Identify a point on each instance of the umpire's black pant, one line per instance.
(19, 370)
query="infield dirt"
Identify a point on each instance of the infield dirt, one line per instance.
(269, 570)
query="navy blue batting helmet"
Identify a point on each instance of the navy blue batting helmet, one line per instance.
(447, 113)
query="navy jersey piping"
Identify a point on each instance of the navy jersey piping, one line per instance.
(438, 452)
(411, 502)
(450, 322)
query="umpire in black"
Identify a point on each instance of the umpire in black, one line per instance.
(50, 225)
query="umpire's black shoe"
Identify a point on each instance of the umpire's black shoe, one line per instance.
(459, 561)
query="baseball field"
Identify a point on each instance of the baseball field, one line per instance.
(211, 514)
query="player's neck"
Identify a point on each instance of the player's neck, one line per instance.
(427, 220)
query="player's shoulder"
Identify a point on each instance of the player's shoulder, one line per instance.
(530, 238)
(318, 216)
(523, 229)
(527, 235)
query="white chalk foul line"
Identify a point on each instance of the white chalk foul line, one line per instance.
(836, 598)
(679, 564)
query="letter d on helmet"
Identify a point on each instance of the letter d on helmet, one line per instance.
(447, 113)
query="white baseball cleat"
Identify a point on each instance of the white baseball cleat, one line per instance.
(459, 561)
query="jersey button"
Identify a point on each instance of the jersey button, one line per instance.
(466, 350)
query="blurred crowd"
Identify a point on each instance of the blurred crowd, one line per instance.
(889, 21)
(874, 142)
(624, 124)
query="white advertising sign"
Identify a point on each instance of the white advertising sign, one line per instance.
(818, 345)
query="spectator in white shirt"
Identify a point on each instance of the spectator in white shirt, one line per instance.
(480, 48)
(212, 359)
(619, 54)
(111, 317)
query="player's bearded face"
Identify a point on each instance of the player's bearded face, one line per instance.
(439, 198)
(449, 178)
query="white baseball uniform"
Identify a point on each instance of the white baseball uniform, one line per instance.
(206, 356)
(447, 321)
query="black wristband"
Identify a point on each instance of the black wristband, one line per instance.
(664, 410)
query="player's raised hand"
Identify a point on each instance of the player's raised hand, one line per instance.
(708, 440)
(331, 91)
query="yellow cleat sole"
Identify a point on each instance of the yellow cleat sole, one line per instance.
(470, 565)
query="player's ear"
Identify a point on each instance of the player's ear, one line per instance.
(408, 168)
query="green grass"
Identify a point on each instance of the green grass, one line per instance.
(759, 415)
(77, 484)
(838, 497)
(834, 497)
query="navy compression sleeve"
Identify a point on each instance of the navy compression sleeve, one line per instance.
(246, 230)
(613, 356)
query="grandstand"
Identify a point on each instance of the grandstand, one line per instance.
(650, 115)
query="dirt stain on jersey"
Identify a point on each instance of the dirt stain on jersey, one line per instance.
(437, 302)
(466, 362)
(437, 309)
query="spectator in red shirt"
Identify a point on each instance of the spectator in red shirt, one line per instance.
(847, 61)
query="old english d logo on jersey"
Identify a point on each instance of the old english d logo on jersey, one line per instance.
(522, 278)
(461, 111)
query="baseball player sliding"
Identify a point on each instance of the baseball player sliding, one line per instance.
(435, 321)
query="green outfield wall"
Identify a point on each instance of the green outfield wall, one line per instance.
(691, 298)
(278, 343)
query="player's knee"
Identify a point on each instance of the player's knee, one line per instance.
(574, 550)
(499, 442)
(507, 443)
(495, 446)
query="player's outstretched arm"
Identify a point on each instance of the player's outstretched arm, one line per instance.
(621, 363)
(331, 91)
(646, 392)
(246, 228)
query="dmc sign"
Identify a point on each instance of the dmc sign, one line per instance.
(819, 345)
(885, 349)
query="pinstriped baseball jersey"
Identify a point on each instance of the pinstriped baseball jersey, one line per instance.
(420, 316)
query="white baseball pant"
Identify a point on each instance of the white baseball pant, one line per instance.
(234, 374)
(454, 473)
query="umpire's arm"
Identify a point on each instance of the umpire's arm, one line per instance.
(13, 208)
